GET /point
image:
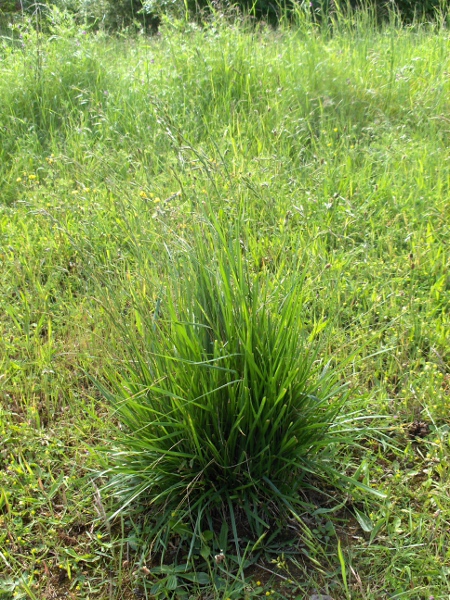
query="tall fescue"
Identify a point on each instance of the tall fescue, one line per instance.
(226, 406)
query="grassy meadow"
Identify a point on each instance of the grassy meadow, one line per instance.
(330, 149)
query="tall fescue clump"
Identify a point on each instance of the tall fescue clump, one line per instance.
(227, 411)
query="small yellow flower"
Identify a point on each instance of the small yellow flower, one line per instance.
(258, 583)
(335, 130)
(32, 177)
(19, 179)
(156, 200)
(142, 194)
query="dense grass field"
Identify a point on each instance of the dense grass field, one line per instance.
(330, 148)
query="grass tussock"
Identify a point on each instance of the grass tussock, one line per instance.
(227, 406)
